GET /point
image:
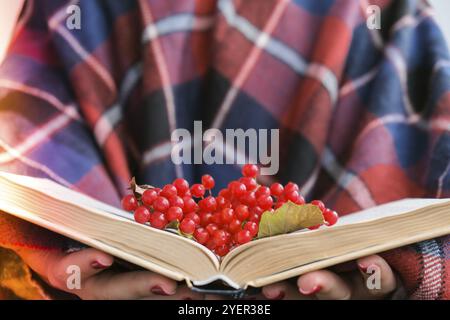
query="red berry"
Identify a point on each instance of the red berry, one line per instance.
(174, 213)
(208, 182)
(189, 205)
(279, 204)
(276, 189)
(250, 170)
(187, 226)
(249, 199)
(206, 218)
(142, 215)
(222, 202)
(176, 201)
(257, 210)
(242, 212)
(222, 250)
(129, 203)
(211, 228)
(254, 217)
(319, 204)
(217, 217)
(330, 216)
(291, 187)
(198, 190)
(211, 244)
(158, 220)
(181, 185)
(149, 196)
(314, 227)
(250, 183)
(292, 195)
(252, 227)
(226, 215)
(169, 191)
(208, 204)
(238, 189)
(300, 200)
(265, 202)
(262, 191)
(161, 204)
(220, 237)
(243, 236)
(235, 225)
(194, 217)
(201, 235)
(225, 193)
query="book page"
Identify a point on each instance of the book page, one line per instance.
(277, 258)
(388, 209)
(77, 216)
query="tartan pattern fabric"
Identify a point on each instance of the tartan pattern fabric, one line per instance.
(364, 115)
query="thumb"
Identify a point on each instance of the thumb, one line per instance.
(88, 262)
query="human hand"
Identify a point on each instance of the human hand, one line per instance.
(99, 283)
(329, 285)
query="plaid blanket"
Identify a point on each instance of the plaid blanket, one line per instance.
(363, 113)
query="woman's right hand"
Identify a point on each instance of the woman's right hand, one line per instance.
(97, 282)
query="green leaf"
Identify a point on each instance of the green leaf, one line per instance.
(288, 218)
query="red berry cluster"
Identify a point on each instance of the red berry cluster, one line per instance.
(223, 222)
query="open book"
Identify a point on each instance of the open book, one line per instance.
(254, 264)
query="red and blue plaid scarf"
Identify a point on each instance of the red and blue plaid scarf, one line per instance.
(364, 114)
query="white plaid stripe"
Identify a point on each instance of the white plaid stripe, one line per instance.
(280, 50)
(56, 25)
(177, 23)
(35, 165)
(164, 75)
(110, 118)
(69, 110)
(261, 39)
(347, 180)
(441, 181)
(37, 137)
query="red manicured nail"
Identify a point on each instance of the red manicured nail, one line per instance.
(159, 291)
(314, 290)
(98, 265)
(363, 268)
(280, 296)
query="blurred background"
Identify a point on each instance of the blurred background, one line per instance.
(9, 10)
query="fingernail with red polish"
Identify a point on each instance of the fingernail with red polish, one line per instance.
(280, 296)
(98, 265)
(362, 267)
(159, 291)
(314, 290)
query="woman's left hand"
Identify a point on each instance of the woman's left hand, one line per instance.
(325, 284)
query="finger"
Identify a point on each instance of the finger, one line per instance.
(282, 290)
(86, 263)
(182, 293)
(378, 279)
(128, 285)
(325, 285)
